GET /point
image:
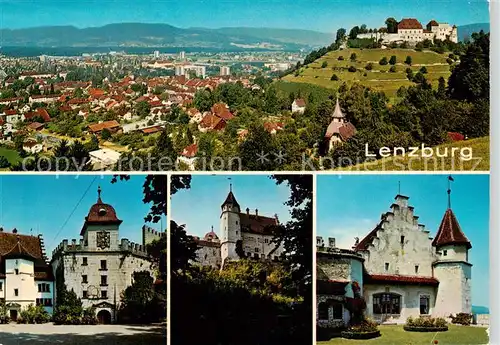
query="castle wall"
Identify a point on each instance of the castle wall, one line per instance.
(255, 245)
(454, 295)
(91, 236)
(209, 256)
(149, 235)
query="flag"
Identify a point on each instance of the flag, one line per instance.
(450, 178)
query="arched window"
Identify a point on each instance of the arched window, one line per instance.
(323, 311)
(386, 303)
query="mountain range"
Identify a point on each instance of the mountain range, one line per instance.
(164, 35)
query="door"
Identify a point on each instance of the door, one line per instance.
(13, 315)
(104, 317)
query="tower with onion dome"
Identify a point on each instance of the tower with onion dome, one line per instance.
(452, 268)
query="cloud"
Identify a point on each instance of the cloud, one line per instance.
(345, 234)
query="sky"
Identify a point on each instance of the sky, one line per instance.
(43, 204)
(319, 15)
(351, 206)
(200, 206)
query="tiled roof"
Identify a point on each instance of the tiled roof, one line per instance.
(190, 151)
(409, 23)
(230, 199)
(299, 102)
(29, 244)
(100, 213)
(399, 279)
(433, 23)
(450, 232)
(344, 130)
(257, 224)
(97, 127)
(367, 240)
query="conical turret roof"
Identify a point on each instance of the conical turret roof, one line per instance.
(449, 232)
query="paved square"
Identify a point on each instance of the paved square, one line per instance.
(17, 334)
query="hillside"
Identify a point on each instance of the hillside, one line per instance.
(480, 162)
(379, 78)
(159, 35)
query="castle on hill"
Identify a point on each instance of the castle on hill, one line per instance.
(412, 31)
(400, 269)
(241, 235)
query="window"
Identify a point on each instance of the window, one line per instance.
(445, 252)
(84, 262)
(43, 287)
(338, 311)
(47, 302)
(104, 294)
(84, 293)
(16, 292)
(1, 286)
(236, 224)
(416, 269)
(103, 265)
(424, 305)
(323, 311)
(266, 240)
(386, 266)
(16, 271)
(104, 281)
(386, 303)
(402, 240)
(39, 301)
(84, 279)
(256, 250)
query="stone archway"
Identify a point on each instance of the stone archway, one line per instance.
(104, 317)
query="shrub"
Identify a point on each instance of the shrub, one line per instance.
(369, 66)
(334, 77)
(34, 314)
(340, 58)
(423, 70)
(352, 69)
(449, 61)
(324, 64)
(383, 61)
(392, 69)
(462, 319)
(89, 317)
(408, 60)
(409, 70)
(353, 57)
(365, 326)
(392, 61)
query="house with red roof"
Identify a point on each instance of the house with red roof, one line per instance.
(298, 106)
(400, 268)
(339, 130)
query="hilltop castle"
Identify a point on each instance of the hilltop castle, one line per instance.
(412, 31)
(400, 269)
(242, 234)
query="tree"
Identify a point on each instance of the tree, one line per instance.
(369, 66)
(441, 92)
(353, 57)
(392, 69)
(341, 33)
(324, 64)
(353, 34)
(105, 134)
(408, 60)
(383, 61)
(203, 100)
(142, 109)
(392, 25)
(334, 77)
(393, 60)
(136, 300)
(352, 69)
(4, 162)
(423, 70)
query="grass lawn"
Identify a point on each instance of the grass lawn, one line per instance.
(379, 77)
(480, 161)
(456, 335)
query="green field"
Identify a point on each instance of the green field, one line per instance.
(480, 148)
(379, 78)
(396, 335)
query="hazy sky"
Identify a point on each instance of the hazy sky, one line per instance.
(200, 206)
(321, 15)
(44, 203)
(351, 206)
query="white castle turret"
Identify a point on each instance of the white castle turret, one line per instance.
(230, 227)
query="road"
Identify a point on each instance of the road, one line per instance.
(18, 334)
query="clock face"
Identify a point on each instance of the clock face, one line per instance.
(92, 291)
(103, 239)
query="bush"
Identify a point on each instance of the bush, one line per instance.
(353, 57)
(324, 64)
(392, 61)
(89, 317)
(392, 69)
(462, 319)
(423, 70)
(383, 61)
(352, 69)
(408, 60)
(34, 314)
(340, 58)
(425, 324)
(449, 61)
(369, 66)
(409, 70)
(334, 77)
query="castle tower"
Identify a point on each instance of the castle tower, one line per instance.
(230, 227)
(452, 268)
(100, 230)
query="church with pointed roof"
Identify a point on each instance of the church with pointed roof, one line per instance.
(401, 269)
(241, 235)
(100, 266)
(339, 130)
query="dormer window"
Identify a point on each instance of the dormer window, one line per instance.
(102, 212)
(445, 252)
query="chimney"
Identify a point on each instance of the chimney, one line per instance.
(331, 242)
(319, 241)
(248, 211)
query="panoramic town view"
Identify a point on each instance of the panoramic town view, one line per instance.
(408, 89)
(87, 266)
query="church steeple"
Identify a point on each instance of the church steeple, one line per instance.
(337, 112)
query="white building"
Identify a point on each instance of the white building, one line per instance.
(400, 269)
(25, 276)
(225, 70)
(100, 266)
(242, 235)
(187, 70)
(103, 158)
(298, 106)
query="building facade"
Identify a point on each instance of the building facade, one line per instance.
(401, 269)
(241, 235)
(100, 266)
(25, 275)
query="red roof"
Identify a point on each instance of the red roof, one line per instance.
(212, 122)
(432, 23)
(97, 127)
(190, 151)
(454, 136)
(299, 102)
(449, 232)
(44, 114)
(100, 213)
(221, 110)
(257, 224)
(399, 279)
(409, 23)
